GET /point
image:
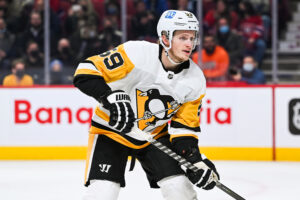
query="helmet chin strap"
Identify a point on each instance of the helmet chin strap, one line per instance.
(171, 60)
(167, 51)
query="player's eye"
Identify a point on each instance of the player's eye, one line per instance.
(183, 38)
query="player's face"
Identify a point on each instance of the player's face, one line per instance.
(182, 45)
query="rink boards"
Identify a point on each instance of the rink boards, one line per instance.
(238, 123)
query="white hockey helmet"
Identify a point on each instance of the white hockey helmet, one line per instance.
(172, 20)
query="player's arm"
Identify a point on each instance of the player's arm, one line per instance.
(184, 128)
(89, 80)
(92, 76)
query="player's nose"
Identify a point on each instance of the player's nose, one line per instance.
(189, 43)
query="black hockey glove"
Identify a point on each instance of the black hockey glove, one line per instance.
(121, 114)
(207, 174)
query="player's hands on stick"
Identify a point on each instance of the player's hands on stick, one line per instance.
(121, 114)
(207, 175)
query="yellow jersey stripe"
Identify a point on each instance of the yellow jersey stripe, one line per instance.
(88, 72)
(101, 114)
(118, 138)
(88, 157)
(182, 135)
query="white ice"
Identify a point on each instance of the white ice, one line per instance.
(63, 180)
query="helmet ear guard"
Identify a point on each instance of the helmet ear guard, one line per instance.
(169, 37)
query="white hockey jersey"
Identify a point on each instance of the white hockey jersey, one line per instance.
(157, 95)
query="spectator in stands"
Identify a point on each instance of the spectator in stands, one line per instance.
(65, 53)
(18, 76)
(61, 7)
(157, 6)
(7, 40)
(9, 10)
(251, 27)
(86, 41)
(34, 32)
(185, 5)
(230, 41)
(24, 16)
(143, 23)
(79, 15)
(113, 13)
(72, 20)
(33, 58)
(215, 60)
(207, 6)
(250, 73)
(3, 9)
(212, 16)
(233, 4)
(110, 36)
(56, 74)
(55, 23)
(285, 15)
(89, 13)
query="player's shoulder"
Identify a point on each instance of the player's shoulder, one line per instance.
(195, 80)
(140, 48)
(139, 44)
(195, 73)
(140, 52)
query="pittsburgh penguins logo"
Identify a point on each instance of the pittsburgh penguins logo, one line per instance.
(152, 107)
(190, 15)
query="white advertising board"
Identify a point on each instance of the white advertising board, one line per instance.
(237, 117)
(44, 117)
(287, 117)
(233, 117)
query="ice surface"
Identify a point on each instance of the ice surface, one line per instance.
(63, 180)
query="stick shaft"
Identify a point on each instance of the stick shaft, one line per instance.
(152, 114)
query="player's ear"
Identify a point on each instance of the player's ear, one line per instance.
(165, 40)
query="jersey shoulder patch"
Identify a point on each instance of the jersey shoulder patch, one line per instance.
(113, 64)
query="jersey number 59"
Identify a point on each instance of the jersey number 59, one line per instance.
(112, 60)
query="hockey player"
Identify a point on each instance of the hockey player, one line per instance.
(146, 85)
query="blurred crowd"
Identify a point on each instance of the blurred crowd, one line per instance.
(235, 31)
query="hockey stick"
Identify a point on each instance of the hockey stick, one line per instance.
(182, 161)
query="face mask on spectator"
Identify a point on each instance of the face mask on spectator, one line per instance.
(36, 26)
(109, 30)
(66, 50)
(224, 29)
(84, 8)
(20, 73)
(34, 53)
(210, 50)
(248, 67)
